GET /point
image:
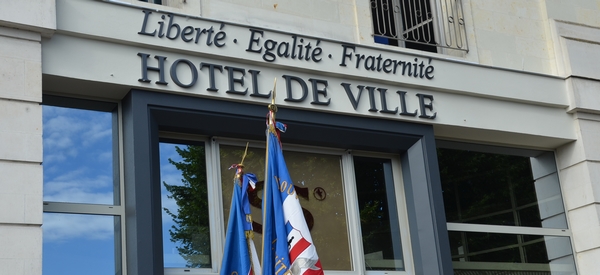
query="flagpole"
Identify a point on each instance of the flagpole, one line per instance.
(271, 127)
(249, 236)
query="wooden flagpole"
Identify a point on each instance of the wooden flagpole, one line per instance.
(271, 127)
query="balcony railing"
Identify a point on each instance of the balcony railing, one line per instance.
(422, 23)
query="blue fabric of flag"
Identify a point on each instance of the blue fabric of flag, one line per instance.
(236, 257)
(276, 260)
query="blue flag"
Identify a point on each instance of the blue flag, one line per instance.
(239, 251)
(287, 244)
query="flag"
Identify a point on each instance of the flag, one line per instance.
(287, 244)
(240, 254)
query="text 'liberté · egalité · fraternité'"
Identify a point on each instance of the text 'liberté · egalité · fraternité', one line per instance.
(275, 48)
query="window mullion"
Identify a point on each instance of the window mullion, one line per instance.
(215, 203)
(353, 213)
(402, 215)
(82, 208)
(503, 229)
(118, 124)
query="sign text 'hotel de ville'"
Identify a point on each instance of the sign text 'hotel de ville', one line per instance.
(293, 48)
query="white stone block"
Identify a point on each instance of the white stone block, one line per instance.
(585, 228)
(527, 9)
(20, 146)
(13, 208)
(20, 266)
(508, 60)
(21, 178)
(562, 10)
(20, 131)
(20, 117)
(588, 16)
(489, 6)
(533, 47)
(584, 94)
(20, 77)
(22, 186)
(20, 49)
(31, 13)
(590, 131)
(347, 14)
(298, 8)
(496, 42)
(34, 209)
(12, 76)
(580, 184)
(570, 153)
(249, 3)
(32, 267)
(537, 64)
(20, 242)
(325, 10)
(576, 186)
(585, 148)
(361, 3)
(12, 266)
(583, 58)
(33, 83)
(585, 217)
(588, 262)
(484, 19)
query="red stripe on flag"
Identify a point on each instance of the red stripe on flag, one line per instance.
(314, 272)
(298, 248)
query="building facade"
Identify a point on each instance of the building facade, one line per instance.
(425, 136)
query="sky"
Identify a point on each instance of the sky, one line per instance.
(78, 168)
(170, 175)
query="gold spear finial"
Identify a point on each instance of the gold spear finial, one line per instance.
(245, 153)
(239, 168)
(272, 106)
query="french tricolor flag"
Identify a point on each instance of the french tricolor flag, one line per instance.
(287, 244)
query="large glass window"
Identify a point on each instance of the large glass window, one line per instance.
(323, 189)
(505, 212)
(318, 183)
(82, 220)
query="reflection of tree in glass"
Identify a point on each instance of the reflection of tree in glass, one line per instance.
(486, 188)
(477, 184)
(191, 229)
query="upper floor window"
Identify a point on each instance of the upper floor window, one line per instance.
(424, 25)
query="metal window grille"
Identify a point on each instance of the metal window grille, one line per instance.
(419, 24)
(159, 2)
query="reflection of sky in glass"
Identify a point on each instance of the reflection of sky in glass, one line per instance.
(77, 168)
(78, 244)
(170, 175)
(77, 155)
